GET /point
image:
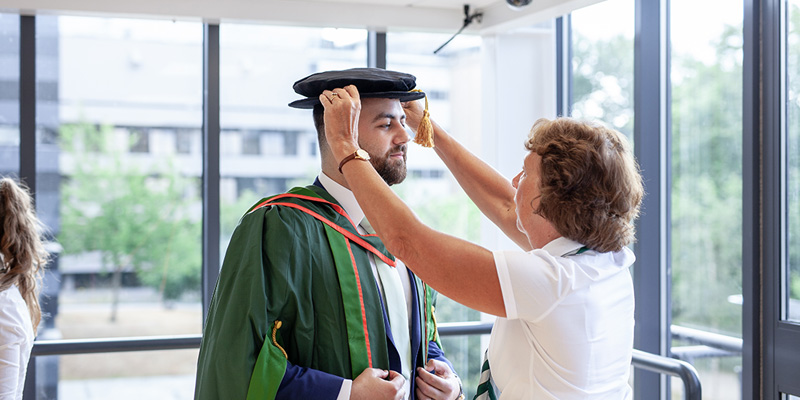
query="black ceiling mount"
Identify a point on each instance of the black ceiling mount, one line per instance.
(467, 20)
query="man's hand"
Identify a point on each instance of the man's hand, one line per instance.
(378, 384)
(414, 110)
(342, 109)
(442, 384)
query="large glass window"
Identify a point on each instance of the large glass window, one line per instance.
(602, 64)
(792, 68)
(267, 147)
(9, 94)
(451, 80)
(706, 226)
(166, 375)
(117, 193)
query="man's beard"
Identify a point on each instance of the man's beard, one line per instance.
(391, 170)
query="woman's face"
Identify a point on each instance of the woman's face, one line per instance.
(527, 196)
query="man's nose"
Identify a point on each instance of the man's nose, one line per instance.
(401, 136)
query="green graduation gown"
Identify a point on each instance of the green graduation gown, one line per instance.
(296, 284)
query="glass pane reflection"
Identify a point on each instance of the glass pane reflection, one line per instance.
(9, 96)
(267, 147)
(112, 97)
(451, 80)
(602, 64)
(167, 375)
(792, 72)
(706, 199)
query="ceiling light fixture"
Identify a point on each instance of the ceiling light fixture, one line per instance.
(518, 4)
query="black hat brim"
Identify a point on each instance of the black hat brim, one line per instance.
(310, 102)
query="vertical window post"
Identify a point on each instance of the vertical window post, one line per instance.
(652, 148)
(376, 49)
(27, 102)
(211, 175)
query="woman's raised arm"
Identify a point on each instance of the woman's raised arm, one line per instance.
(487, 188)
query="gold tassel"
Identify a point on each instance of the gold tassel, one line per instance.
(424, 136)
(274, 340)
(435, 325)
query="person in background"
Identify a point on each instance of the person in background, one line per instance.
(309, 304)
(22, 259)
(565, 301)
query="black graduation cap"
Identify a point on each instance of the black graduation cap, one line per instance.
(371, 83)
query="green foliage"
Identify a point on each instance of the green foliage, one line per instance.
(706, 170)
(795, 287)
(603, 81)
(707, 186)
(454, 214)
(793, 150)
(136, 217)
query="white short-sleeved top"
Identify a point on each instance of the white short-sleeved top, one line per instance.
(568, 333)
(16, 341)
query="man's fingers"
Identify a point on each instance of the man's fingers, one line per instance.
(436, 382)
(438, 367)
(398, 381)
(379, 373)
(425, 390)
(396, 378)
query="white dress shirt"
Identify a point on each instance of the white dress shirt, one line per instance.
(347, 200)
(568, 331)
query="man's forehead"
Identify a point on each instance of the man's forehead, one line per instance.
(378, 108)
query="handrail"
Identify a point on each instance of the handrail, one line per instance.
(640, 359)
(111, 345)
(670, 366)
(710, 339)
(465, 328)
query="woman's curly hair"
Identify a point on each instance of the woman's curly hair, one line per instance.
(591, 188)
(22, 252)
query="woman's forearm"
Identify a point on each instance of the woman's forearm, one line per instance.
(460, 270)
(487, 188)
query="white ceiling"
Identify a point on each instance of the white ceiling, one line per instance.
(381, 15)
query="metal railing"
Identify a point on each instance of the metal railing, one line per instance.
(670, 366)
(704, 344)
(692, 389)
(651, 362)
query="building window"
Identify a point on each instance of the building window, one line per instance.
(251, 143)
(139, 140)
(183, 141)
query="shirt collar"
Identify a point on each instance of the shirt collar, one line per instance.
(343, 196)
(562, 247)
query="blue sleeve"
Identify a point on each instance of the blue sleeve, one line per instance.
(306, 383)
(435, 353)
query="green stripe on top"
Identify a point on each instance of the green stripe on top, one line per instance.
(351, 301)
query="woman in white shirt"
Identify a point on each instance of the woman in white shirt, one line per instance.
(22, 255)
(565, 302)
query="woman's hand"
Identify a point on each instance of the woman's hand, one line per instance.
(342, 109)
(414, 110)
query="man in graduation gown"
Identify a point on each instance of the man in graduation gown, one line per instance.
(309, 304)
